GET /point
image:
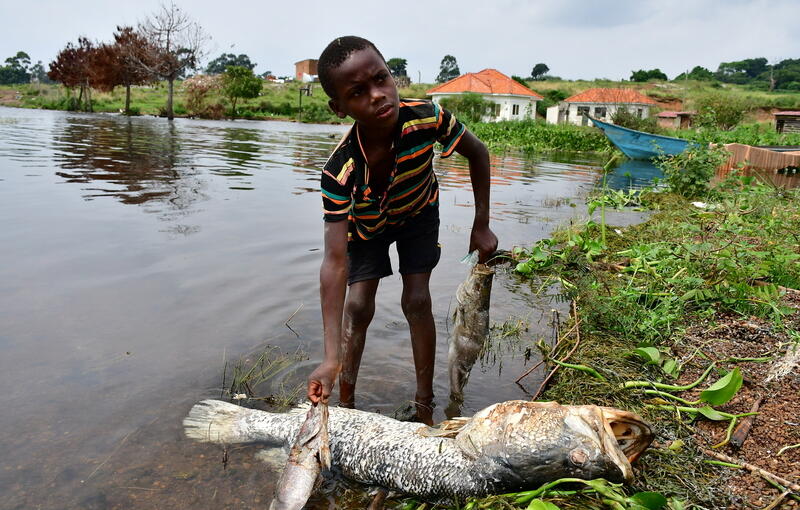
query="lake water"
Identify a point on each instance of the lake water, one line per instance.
(138, 256)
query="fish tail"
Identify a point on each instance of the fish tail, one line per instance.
(214, 421)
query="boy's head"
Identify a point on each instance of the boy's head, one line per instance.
(354, 75)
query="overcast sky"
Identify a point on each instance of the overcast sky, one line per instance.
(577, 39)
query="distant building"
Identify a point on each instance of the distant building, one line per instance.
(601, 104)
(787, 122)
(512, 100)
(305, 67)
(675, 120)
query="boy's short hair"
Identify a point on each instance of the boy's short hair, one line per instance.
(335, 54)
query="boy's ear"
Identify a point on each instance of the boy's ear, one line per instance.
(334, 106)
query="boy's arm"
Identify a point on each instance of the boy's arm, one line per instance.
(332, 289)
(482, 238)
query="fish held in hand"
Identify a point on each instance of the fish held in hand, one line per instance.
(506, 447)
(470, 327)
(309, 454)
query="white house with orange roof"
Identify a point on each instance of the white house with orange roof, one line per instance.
(601, 104)
(512, 100)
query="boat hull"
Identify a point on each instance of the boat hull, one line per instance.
(641, 145)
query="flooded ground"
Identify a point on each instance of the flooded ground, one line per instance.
(139, 255)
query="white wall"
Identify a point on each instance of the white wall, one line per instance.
(526, 106)
(611, 108)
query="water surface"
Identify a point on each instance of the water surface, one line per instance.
(139, 255)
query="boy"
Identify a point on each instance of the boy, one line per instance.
(378, 187)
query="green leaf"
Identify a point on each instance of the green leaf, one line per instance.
(649, 500)
(523, 267)
(649, 354)
(711, 414)
(671, 368)
(538, 504)
(724, 389)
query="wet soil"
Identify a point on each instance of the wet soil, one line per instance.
(727, 340)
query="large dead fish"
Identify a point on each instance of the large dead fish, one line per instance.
(308, 455)
(506, 447)
(470, 327)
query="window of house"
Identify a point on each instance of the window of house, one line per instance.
(600, 112)
(639, 113)
(583, 110)
(515, 109)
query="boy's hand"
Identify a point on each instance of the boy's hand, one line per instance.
(321, 381)
(482, 239)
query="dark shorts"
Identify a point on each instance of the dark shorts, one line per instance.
(417, 248)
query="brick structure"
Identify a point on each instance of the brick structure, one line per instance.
(307, 66)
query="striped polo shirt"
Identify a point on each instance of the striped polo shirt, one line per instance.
(412, 184)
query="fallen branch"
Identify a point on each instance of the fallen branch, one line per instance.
(754, 469)
(742, 431)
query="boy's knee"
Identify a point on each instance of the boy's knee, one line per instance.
(359, 310)
(416, 304)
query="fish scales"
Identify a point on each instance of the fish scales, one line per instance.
(470, 327)
(509, 446)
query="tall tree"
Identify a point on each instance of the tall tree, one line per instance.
(652, 74)
(221, 63)
(38, 74)
(73, 68)
(538, 71)
(448, 69)
(178, 44)
(397, 66)
(240, 82)
(16, 69)
(698, 73)
(133, 61)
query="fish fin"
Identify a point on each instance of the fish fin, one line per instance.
(214, 421)
(447, 428)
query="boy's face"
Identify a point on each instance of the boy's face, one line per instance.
(365, 90)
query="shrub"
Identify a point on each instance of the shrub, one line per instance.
(623, 117)
(468, 107)
(723, 111)
(689, 173)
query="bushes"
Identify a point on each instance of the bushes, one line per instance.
(723, 111)
(530, 135)
(468, 107)
(689, 173)
(623, 117)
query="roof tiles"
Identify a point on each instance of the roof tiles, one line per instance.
(488, 81)
(610, 96)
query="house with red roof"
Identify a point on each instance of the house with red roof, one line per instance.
(512, 100)
(601, 104)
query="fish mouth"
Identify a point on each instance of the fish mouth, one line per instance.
(632, 434)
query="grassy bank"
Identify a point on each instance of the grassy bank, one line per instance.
(693, 290)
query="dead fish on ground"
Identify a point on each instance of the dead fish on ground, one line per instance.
(506, 447)
(470, 327)
(309, 454)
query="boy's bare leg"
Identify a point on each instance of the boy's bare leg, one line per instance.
(359, 308)
(416, 303)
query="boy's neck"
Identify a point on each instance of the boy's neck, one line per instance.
(375, 138)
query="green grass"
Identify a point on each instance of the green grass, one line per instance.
(646, 285)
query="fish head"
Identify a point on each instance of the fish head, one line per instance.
(536, 442)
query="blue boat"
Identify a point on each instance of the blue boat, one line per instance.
(641, 145)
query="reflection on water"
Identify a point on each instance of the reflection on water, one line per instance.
(139, 256)
(633, 174)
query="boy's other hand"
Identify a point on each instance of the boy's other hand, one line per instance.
(321, 381)
(482, 239)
